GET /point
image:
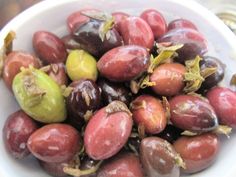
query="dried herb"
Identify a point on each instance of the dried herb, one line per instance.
(166, 106)
(104, 29)
(66, 91)
(6, 49)
(141, 131)
(193, 77)
(138, 105)
(233, 80)
(117, 106)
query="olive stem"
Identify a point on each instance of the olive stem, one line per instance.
(78, 172)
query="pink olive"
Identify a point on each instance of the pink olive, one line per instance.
(198, 152)
(181, 23)
(54, 143)
(107, 131)
(223, 101)
(136, 31)
(118, 17)
(17, 129)
(49, 47)
(156, 21)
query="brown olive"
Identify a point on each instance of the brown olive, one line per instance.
(158, 158)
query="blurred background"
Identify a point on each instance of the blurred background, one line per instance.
(224, 9)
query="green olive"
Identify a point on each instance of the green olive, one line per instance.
(39, 96)
(81, 65)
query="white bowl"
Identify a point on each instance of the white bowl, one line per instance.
(51, 15)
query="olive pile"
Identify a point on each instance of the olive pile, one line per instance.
(119, 96)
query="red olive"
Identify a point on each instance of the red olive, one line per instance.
(108, 131)
(54, 169)
(17, 129)
(181, 23)
(198, 152)
(54, 143)
(223, 101)
(57, 72)
(124, 63)
(192, 113)
(156, 21)
(14, 61)
(121, 165)
(118, 17)
(135, 31)
(148, 112)
(168, 78)
(70, 42)
(49, 47)
(158, 158)
(194, 43)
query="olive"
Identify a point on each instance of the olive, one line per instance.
(77, 18)
(158, 158)
(193, 41)
(148, 112)
(192, 113)
(89, 36)
(108, 131)
(70, 43)
(123, 164)
(54, 169)
(39, 96)
(136, 31)
(124, 63)
(181, 23)
(86, 164)
(118, 17)
(114, 91)
(223, 101)
(168, 79)
(49, 47)
(17, 129)
(198, 152)
(215, 78)
(170, 133)
(156, 21)
(14, 61)
(84, 99)
(57, 72)
(81, 65)
(55, 143)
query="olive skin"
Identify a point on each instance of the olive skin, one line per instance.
(106, 133)
(168, 78)
(124, 63)
(156, 21)
(54, 169)
(86, 164)
(55, 143)
(198, 152)
(118, 17)
(151, 114)
(70, 43)
(192, 113)
(57, 72)
(136, 31)
(121, 165)
(39, 96)
(223, 101)
(17, 129)
(215, 78)
(157, 157)
(49, 47)
(14, 61)
(84, 98)
(181, 23)
(114, 91)
(88, 35)
(193, 41)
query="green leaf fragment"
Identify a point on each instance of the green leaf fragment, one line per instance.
(145, 82)
(193, 77)
(105, 27)
(208, 71)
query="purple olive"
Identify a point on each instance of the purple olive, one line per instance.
(192, 113)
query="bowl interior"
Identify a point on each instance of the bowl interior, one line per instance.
(51, 15)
